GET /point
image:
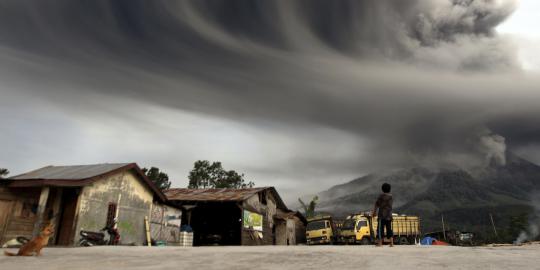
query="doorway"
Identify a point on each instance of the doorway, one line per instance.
(66, 228)
(216, 224)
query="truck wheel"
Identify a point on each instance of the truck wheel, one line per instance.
(364, 241)
(403, 241)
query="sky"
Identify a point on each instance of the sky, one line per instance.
(300, 95)
(522, 26)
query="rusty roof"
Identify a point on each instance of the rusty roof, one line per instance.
(212, 194)
(219, 194)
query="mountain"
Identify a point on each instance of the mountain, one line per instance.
(465, 198)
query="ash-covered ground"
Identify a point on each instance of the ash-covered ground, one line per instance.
(280, 257)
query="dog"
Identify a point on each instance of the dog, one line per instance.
(35, 245)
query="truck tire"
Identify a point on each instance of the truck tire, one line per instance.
(365, 241)
(403, 240)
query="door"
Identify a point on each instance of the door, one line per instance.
(5, 212)
(67, 219)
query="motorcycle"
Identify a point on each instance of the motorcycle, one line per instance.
(90, 238)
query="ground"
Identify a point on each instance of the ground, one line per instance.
(279, 257)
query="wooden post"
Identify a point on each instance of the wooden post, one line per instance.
(117, 212)
(40, 210)
(147, 226)
(56, 212)
(443, 230)
(493, 224)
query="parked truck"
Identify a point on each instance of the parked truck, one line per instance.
(362, 229)
(321, 230)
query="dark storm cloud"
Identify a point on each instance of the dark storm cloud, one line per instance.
(414, 79)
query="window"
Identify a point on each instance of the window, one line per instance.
(316, 225)
(361, 223)
(111, 213)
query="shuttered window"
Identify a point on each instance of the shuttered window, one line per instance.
(111, 213)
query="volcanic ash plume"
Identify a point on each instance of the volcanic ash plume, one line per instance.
(494, 147)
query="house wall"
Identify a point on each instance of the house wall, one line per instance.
(18, 209)
(291, 233)
(280, 232)
(252, 237)
(165, 223)
(134, 202)
(273, 229)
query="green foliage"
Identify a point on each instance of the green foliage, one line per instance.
(212, 175)
(3, 172)
(517, 225)
(309, 210)
(508, 230)
(159, 178)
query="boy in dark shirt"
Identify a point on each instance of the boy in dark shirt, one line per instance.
(384, 215)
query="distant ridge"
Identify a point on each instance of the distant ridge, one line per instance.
(464, 198)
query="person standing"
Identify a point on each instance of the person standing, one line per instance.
(384, 215)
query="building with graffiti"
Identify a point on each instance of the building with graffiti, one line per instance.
(250, 216)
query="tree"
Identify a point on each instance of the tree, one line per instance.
(3, 172)
(517, 225)
(309, 210)
(212, 175)
(159, 178)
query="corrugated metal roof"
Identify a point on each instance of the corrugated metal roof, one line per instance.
(215, 194)
(76, 172)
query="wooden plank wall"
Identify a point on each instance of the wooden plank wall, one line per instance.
(20, 221)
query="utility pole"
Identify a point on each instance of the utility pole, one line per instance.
(493, 224)
(443, 230)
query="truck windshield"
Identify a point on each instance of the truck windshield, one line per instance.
(316, 225)
(361, 223)
(348, 225)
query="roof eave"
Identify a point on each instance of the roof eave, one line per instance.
(86, 181)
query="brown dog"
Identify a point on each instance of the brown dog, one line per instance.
(35, 245)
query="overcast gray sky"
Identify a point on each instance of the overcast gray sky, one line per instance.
(300, 95)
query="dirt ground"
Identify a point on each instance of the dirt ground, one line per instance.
(280, 257)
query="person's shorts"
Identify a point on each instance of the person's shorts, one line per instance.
(382, 225)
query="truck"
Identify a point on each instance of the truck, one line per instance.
(321, 230)
(362, 229)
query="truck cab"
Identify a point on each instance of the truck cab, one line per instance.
(355, 230)
(320, 230)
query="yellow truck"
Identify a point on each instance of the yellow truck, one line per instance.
(362, 229)
(321, 230)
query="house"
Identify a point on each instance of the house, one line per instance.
(250, 216)
(84, 197)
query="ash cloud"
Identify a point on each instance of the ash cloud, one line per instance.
(407, 82)
(494, 147)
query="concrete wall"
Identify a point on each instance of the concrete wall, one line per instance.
(291, 232)
(281, 232)
(134, 201)
(165, 223)
(268, 211)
